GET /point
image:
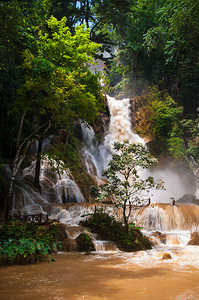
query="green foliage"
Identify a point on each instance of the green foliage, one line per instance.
(161, 122)
(23, 250)
(178, 47)
(16, 34)
(26, 242)
(58, 79)
(157, 44)
(125, 185)
(110, 229)
(85, 242)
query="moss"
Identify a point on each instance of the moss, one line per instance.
(110, 229)
(85, 242)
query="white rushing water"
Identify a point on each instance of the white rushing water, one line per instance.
(54, 189)
(120, 128)
(96, 155)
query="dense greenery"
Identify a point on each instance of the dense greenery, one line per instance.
(85, 242)
(156, 43)
(46, 81)
(110, 229)
(170, 132)
(27, 243)
(127, 189)
(47, 47)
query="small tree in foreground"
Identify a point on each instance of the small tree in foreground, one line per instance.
(128, 190)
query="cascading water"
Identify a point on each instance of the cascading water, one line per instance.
(96, 155)
(167, 217)
(120, 123)
(134, 274)
(54, 189)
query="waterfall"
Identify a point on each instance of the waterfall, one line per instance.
(120, 123)
(96, 155)
(54, 189)
(167, 217)
(61, 189)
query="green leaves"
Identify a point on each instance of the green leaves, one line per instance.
(109, 228)
(26, 243)
(59, 77)
(161, 122)
(125, 186)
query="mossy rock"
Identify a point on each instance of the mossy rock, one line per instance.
(61, 232)
(85, 242)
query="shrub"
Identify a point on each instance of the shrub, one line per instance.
(109, 228)
(26, 242)
(85, 242)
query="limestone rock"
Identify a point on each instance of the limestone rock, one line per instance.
(166, 256)
(62, 234)
(187, 198)
(69, 245)
(194, 239)
(161, 236)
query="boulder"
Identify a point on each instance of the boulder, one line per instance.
(62, 233)
(85, 242)
(161, 236)
(194, 239)
(196, 202)
(166, 256)
(69, 245)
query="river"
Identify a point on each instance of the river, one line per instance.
(116, 275)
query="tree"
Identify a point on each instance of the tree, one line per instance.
(58, 87)
(175, 38)
(126, 186)
(160, 122)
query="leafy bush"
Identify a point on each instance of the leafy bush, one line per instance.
(85, 242)
(110, 229)
(160, 122)
(26, 243)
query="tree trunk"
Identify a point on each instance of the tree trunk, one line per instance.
(67, 136)
(38, 166)
(8, 205)
(17, 162)
(125, 217)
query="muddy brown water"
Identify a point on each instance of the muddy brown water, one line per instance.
(105, 276)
